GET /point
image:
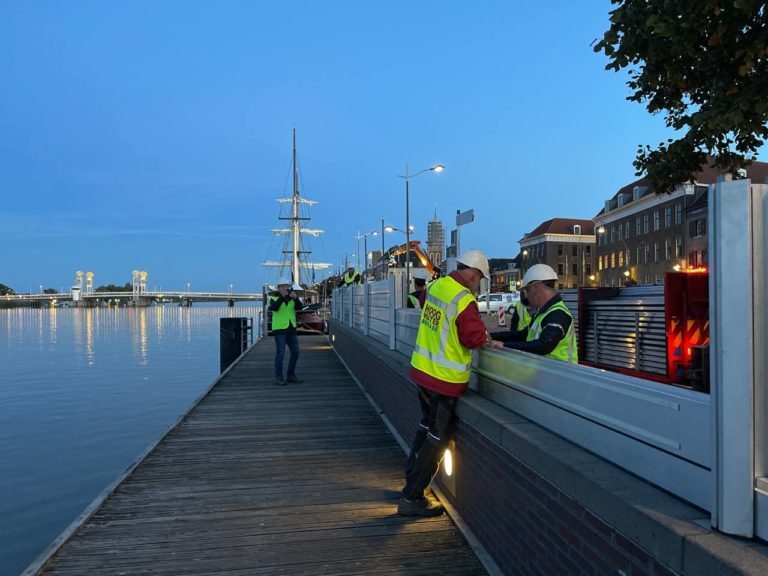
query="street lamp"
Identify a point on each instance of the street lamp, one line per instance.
(365, 245)
(346, 261)
(389, 228)
(407, 177)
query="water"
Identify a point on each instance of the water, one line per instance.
(83, 392)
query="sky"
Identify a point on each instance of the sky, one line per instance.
(156, 135)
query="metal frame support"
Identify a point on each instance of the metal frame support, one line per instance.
(392, 313)
(366, 307)
(732, 221)
(351, 294)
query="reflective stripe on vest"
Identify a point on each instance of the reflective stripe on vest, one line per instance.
(284, 316)
(566, 350)
(438, 351)
(523, 316)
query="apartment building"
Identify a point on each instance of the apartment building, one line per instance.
(565, 244)
(642, 235)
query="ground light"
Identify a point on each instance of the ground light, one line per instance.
(448, 462)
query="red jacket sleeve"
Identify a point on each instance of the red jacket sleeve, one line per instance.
(472, 331)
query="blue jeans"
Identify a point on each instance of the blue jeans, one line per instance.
(281, 339)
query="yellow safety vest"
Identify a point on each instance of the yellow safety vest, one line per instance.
(523, 316)
(350, 279)
(285, 316)
(438, 351)
(415, 301)
(566, 350)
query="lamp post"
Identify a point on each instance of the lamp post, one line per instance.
(384, 267)
(525, 258)
(407, 177)
(365, 246)
(389, 228)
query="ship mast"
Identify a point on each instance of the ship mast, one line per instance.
(295, 230)
(296, 227)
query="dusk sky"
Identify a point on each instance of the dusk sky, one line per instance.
(156, 135)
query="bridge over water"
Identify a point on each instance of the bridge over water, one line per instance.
(126, 298)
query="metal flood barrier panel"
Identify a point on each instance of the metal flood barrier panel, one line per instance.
(628, 331)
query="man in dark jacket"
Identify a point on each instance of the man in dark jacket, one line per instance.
(550, 332)
(283, 304)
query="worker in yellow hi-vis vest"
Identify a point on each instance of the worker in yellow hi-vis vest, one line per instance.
(283, 304)
(550, 332)
(450, 327)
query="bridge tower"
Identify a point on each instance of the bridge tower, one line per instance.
(89, 282)
(135, 282)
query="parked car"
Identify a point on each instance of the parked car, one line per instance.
(496, 300)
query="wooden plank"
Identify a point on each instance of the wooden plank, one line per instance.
(260, 479)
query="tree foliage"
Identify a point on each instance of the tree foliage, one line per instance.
(50, 291)
(6, 290)
(702, 63)
(128, 287)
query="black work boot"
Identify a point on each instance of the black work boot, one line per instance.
(420, 507)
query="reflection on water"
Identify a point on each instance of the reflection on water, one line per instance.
(83, 391)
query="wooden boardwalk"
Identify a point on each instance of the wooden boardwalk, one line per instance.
(261, 479)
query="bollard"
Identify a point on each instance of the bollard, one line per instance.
(233, 340)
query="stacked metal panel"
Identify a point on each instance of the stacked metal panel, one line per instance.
(628, 331)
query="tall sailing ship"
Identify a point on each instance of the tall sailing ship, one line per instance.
(295, 260)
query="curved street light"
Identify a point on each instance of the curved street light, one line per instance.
(407, 177)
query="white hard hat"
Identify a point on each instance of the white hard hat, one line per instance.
(539, 273)
(476, 259)
(284, 281)
(296, 286)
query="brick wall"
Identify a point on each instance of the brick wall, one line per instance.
(531, 527)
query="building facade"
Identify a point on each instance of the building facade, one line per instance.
(565, 244)
(642, 235)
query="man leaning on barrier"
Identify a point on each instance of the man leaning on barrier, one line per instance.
(450, 327)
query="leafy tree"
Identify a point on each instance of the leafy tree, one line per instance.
(6, 291)
(702, 63)
(50, 291)
(128, 287)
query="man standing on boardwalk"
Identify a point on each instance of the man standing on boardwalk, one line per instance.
(449, 329)
(283, 304)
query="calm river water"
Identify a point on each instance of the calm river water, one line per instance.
(83, 392)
